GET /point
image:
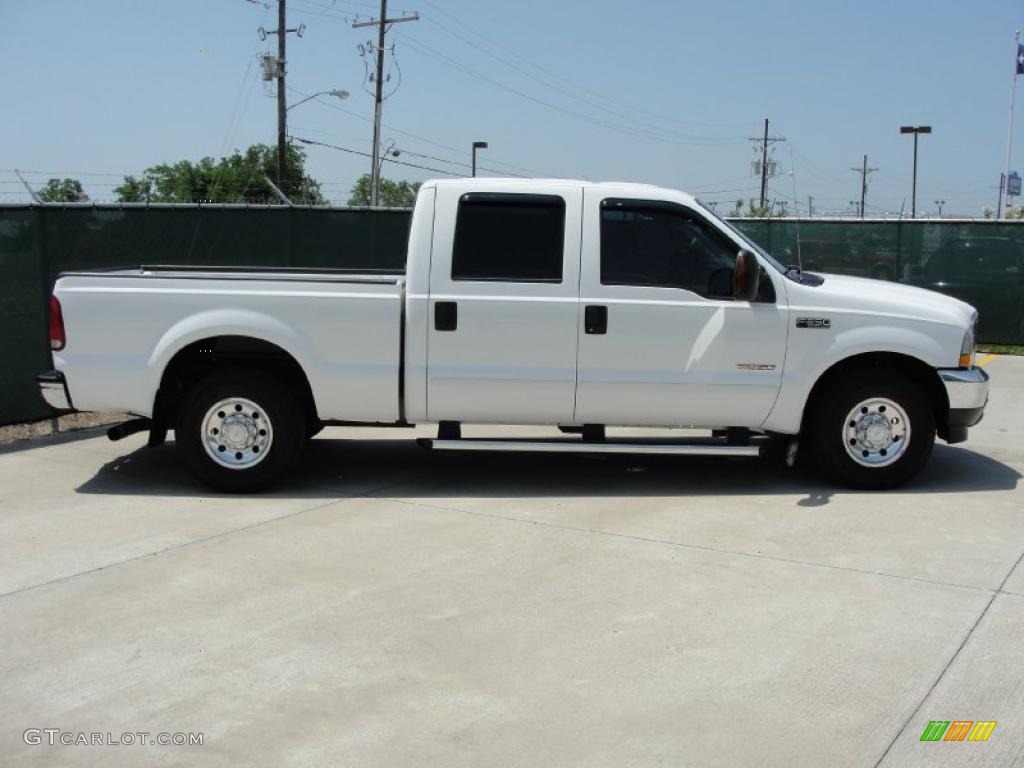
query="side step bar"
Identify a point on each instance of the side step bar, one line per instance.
(573, 446)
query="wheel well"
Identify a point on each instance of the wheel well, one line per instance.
(201, 358)
(916, 370)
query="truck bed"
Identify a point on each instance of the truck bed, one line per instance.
(343, 327)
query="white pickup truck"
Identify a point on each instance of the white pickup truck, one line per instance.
(543, 302)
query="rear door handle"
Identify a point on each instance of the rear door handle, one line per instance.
(446, 316)
(595, 319)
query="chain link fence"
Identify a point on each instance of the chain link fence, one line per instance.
(980, 262)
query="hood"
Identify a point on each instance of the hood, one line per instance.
(842, 292)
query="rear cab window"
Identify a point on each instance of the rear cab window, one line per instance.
(509, 238)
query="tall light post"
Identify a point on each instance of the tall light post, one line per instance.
(939, 204)
(339, 93)
(477, 145)
(913, 189)
(389, 151)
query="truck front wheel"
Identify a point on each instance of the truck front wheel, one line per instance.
(872, 429)
(239, 430)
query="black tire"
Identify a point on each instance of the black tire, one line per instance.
(274, 404)
(830, 431)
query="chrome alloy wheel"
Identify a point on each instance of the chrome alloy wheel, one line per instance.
(876, 432)
(237, 433)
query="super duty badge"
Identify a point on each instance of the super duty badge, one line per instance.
(813, 322)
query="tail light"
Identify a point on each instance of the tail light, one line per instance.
(57, 336)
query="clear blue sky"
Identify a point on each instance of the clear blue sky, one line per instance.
(660, 92)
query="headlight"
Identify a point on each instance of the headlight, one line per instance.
(967, 348)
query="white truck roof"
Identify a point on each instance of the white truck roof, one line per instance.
(538, 186)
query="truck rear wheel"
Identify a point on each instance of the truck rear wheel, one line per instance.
(873, 429)
(239, 430)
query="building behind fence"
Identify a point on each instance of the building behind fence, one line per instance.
(981, 262)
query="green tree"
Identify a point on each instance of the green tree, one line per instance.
(134, 190)
(393, 194)
(754, 210)
(63, 191)
(238, 178)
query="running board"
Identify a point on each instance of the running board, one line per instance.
(573, 446)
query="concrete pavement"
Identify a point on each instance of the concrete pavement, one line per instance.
(392, 607)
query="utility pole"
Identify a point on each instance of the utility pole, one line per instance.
(765, 141)
(863, 171)
(382, 25)
(282, 101)
(282, 105)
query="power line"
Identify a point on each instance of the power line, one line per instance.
(445, 160)
(565, 92)
(367, 154)
(415, 136)
(443, 58)
(581, 88)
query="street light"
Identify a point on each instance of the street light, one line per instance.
(913, 190)
(340, 94)
(389, 151)
(477, 145)
(940, 203)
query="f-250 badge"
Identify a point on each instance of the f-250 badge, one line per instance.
(813, 322)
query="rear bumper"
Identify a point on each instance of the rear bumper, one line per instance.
(967, 389)
(54, 389)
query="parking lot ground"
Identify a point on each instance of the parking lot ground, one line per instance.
(393, 607)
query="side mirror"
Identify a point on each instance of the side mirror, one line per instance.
(746, 276)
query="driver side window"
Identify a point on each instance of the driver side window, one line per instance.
(665, 246)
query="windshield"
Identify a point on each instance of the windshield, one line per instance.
(753, 246)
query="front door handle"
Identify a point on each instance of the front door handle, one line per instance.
(446, 316)
(595, 319)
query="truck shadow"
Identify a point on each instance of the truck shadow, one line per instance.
(343, 468)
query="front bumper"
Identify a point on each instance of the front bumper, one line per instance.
(54, 389)
(967, 390)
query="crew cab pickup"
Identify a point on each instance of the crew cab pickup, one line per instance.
(542, 302)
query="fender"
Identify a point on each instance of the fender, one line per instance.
(806, 362)
(227, 322)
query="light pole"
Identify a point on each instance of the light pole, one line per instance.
(477, 145)
(913, 189)
(391, 151)
(340, 94)
(939, 204)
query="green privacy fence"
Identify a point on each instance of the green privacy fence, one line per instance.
(38, 242)
(980, 262)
